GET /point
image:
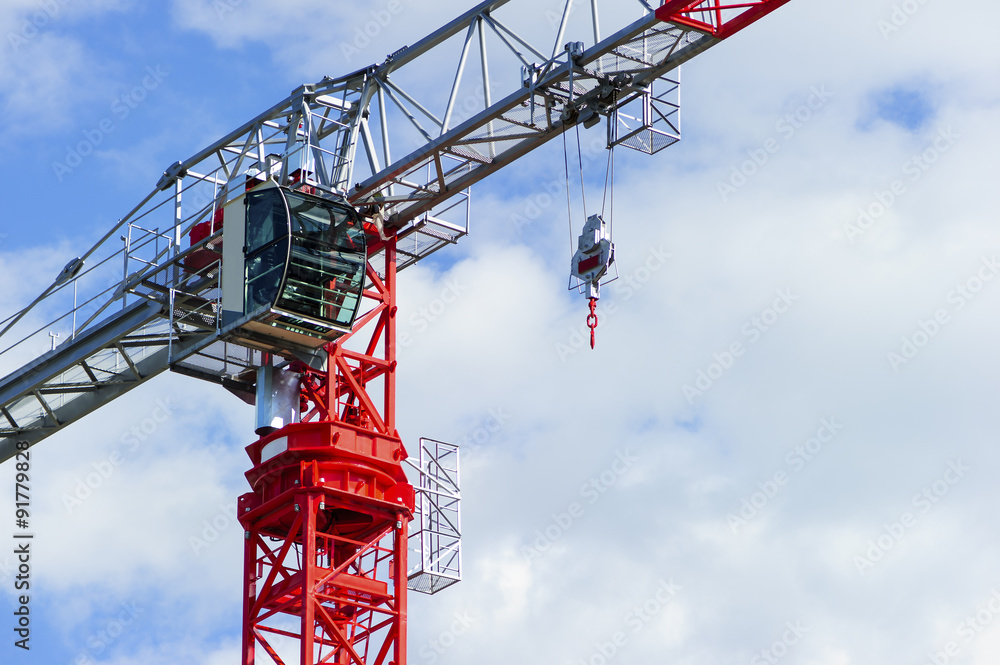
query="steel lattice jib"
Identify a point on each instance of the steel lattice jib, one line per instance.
(293, 268)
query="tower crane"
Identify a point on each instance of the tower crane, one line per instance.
(267, 263)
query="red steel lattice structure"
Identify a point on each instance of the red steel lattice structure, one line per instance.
(720, 18)
(326, 523)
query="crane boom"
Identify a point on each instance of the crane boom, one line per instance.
(285, 293)
(139, 308)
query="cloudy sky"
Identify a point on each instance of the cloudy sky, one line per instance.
(781, 450)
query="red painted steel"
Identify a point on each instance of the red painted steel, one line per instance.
(720, 18)
(589, 264)
(326, 523)
(592, 321)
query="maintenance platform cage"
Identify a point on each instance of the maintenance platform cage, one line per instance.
(435, 543)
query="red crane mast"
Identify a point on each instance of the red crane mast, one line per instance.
(286, 296)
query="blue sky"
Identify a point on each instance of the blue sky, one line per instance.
(909, 107)
(804, 380)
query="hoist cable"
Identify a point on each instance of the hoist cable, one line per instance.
(583, 190)
(569, 205)
(607, 176)
(611, 211)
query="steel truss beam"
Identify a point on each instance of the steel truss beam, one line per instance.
(320, 595)
(327, 518)
(161, 328)
(342, 392)
(721, 18)
(402, 148)
(325, 562)
(69, 382)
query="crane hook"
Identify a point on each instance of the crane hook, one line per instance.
(592, 320)
(590, 264)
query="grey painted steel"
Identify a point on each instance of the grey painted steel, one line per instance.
(427, 197)
(165, 317)
(45, 367)
(99, 395)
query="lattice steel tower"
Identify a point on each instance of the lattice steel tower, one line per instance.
(267, 263)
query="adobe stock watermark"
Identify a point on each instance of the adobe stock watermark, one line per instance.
(99, 642)
(752, 330)
(446, 639)
(224, 8)
(469, 105)
(7, 569)
(922, 502)
(367, 34)
(554, 12)
(130, 441)
(794, 630)
(967, 631)
(553, 191)
(636, 619)
(795, 460)
(224, 518)
(591, 491)
(899, 17)
(421, 320)
(912, 170)
(472, 104)
(121, 108)
(472, 442)
(624, 288)
(785, 128)
(32, 26)
(929, 328)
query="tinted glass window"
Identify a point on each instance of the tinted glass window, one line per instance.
(267, 220)
(327, 266)
(266, 248)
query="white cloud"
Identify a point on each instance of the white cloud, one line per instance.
(44, 73)
(484, 329)
(315, 38)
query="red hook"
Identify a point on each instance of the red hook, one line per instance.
(592, 320)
